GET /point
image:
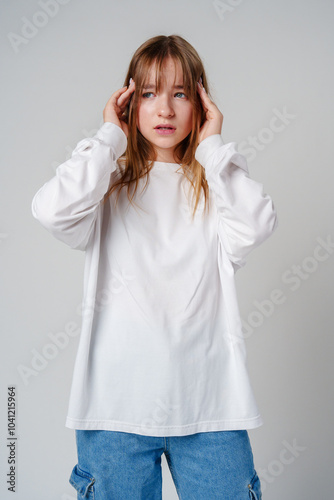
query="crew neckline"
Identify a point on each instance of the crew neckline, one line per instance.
(167, 166)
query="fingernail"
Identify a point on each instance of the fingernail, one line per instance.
(201, 86)
(200, 83)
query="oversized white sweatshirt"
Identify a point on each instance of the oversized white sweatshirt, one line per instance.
(161, 350)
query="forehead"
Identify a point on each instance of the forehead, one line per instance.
(171, 70)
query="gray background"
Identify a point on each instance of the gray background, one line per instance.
(262, 58)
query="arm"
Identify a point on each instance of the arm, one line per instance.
(67, 204)
(246, 215)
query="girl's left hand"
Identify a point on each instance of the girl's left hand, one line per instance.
(214, 118)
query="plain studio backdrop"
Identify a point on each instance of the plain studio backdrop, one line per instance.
(271, 71)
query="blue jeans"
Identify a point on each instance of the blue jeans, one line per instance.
(204, 466)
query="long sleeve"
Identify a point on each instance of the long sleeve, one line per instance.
(67, 204)
(246, 214)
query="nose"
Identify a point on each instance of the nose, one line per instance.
(165, 107)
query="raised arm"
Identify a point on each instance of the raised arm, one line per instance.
(246, 214)
(67, 205)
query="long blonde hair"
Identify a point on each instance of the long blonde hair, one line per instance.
(139, 156)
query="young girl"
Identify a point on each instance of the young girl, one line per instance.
(166, 213)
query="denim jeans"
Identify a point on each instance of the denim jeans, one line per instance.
(115, 465)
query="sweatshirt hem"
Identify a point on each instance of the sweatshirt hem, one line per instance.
(164, 431)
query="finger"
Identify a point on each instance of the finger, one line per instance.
(206, 101)
(200, 85)
(208, 105)
(112, 101)
(124, 98)
(202, 92)
(118, 93)
(201, 89)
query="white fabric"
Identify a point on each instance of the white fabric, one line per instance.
(161, 350)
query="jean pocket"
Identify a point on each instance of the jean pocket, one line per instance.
(254, 488)
(83, 483)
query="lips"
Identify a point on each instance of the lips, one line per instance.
(164, 129)
(165, 126)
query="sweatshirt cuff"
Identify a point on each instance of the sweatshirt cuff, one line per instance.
(113, 136)
(208, 147)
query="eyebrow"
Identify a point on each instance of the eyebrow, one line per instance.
(150, 86)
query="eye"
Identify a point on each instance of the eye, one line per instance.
(181, 94)
(147, 94)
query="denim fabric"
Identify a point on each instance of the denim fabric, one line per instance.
(204, 466)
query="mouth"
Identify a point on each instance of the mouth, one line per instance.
(165, 129)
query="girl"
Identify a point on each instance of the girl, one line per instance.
(166, 213)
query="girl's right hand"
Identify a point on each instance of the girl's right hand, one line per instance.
(115, 107)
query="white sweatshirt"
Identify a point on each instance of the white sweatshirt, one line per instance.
(161, 350)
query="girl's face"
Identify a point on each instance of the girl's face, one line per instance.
(165, 117)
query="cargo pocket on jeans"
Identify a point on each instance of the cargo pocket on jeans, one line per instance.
(254, 488)
(83, 483)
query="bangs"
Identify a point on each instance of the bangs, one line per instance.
(156, 61)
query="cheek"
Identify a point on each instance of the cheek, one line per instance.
(142, 116)
(190, 118)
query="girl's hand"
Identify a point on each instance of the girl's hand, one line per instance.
(115, 107)
(214, 118)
